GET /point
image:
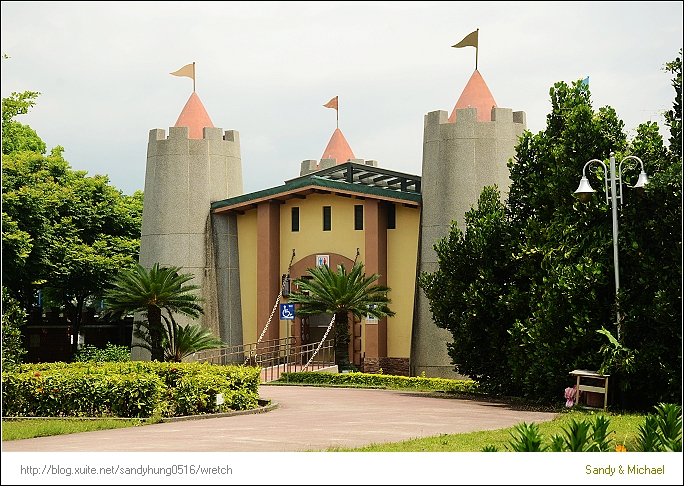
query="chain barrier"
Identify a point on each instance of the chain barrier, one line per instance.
(332, 321)
(280, 296)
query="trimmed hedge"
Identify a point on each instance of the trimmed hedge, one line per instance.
(134, 389)
(381, 381)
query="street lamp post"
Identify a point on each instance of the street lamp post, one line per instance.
(585, 191)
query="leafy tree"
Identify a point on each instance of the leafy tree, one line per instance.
(151, 293)
(651, 268)
(13, 317)
(62, 232)
(341, 293)
(468, 294)
(17, 137)
(563, 288)
(673, 117)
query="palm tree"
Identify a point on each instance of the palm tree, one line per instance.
(340, 293)
(180, 341)
(137, 290)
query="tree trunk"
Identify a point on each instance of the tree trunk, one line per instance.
(154, 323)
(76, 324)
(342, 340)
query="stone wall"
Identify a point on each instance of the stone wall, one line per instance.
(390, 366)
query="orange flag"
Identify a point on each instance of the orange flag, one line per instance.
(332, 103)
(188, 70)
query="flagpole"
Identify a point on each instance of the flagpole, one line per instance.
(477, 47)
(193, 73)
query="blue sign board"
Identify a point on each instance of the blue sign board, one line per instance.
(287, 312)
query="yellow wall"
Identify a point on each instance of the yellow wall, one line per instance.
(247, 246)
(311, 239)
(343, 239)
(402, 257)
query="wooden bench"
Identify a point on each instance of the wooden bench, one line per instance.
(592, 376)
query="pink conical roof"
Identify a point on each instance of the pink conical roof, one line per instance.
(194, 116)
(476, 94)
(338, 148)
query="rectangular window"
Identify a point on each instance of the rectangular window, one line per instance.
(295, 219)
(358, 216)
(391, 216)
(326, 218)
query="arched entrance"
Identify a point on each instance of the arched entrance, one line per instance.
(311, 329)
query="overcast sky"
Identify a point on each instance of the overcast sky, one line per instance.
(265, 69)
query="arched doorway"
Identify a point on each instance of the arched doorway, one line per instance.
(310, 330)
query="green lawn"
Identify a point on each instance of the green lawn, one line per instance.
(13, 429)
(624, 427)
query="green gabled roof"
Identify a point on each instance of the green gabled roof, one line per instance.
(367, 182)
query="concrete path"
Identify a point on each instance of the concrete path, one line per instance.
(307, 419)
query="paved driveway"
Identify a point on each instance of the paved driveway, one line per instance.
(307, 418)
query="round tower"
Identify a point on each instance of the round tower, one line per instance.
(461, 155)
(195, 165)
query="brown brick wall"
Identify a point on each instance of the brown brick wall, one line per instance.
(390, 366)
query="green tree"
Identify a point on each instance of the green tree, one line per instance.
(62, 232)
(563, 290)
(468, 295)
(17, 137)
(673, 117)
(341, 293)
(651, 269)
(151, 293)
(13, 317)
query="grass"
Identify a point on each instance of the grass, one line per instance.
(14, 429)
(624, 427)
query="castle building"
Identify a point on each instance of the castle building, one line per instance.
(340, 209)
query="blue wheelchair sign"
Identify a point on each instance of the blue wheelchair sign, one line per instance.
(287, 312)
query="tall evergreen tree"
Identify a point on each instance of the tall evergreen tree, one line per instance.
(63, 233)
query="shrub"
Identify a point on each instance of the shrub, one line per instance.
(381, 381)
(131, 389)
(112, 353)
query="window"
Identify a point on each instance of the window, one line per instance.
(391, 216)
(326, 218)
(295, 219)
(358, 216)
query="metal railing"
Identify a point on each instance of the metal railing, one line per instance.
(274, 356)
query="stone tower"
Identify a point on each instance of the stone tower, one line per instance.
(195, 165)
(461, 155)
